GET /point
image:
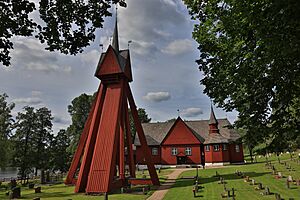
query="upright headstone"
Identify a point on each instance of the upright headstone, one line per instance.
(15, 193)
(290, 178)
(287, 184)
(279, 175)
(259, 187)
(267, 191)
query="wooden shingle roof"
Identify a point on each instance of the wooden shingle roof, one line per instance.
(156, 132)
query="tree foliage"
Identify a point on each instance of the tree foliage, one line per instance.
(143, 117)
(42, 138)
(60, 157)
(24, 141)
(65, 25)
(6, 126)
(32, 140)
(249, 56)
(79, 111)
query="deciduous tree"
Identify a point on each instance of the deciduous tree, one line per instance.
(249, 56)
(79, 111)
(24, 141)
(65, 25)
(60, 157)
(6, 123)
(42, 138)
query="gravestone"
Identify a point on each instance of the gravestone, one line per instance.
(259, 186)
(38, 190)
(298, 182)
(267, 191)
(194, 191)
(13, 184)
(277, 196)
(247, 179)
(15, 193)
(253, 182)
(290, 178)
(31, 185)
(287, 184)
(221, 180)
(279, 175)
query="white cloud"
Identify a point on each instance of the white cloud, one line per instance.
(191, 112)
(30, 55)
(157, 96)
(29, 100)
(156, 23)
(177, 47)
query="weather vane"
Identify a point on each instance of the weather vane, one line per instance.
(129, 42)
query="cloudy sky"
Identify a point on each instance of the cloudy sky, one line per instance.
(163, 54)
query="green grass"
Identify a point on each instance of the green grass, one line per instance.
(244, 191)
(62, 192)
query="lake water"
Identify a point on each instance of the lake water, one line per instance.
(9, 172)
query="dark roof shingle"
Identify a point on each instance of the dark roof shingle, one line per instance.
(156, 132)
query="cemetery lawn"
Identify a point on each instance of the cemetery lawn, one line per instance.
(63, 192)
(182, 189)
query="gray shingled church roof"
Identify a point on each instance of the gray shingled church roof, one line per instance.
(156, 132)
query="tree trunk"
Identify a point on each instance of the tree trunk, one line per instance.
(251, 153)
(267, 156)
(36, 172)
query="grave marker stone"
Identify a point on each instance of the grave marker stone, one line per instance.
(277, 196)
(267, 191)
(15, 193)
(287, 184)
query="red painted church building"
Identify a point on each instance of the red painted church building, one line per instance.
(192, 142)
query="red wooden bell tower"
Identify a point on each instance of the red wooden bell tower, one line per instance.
(100, 155)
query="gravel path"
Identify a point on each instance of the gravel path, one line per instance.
(163, 189)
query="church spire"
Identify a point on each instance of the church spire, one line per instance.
(115, 40)
(212, 119)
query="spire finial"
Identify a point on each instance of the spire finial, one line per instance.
(212, 119)
(178, 112)
(115, 40)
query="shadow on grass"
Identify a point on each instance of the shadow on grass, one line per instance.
(228, 177)
(231, 177)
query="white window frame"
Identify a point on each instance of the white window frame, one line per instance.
(188, 151)
(154, 151)
(218, 147)
(225, 147)
(174, 151)
(237, 148)
(207, 148)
